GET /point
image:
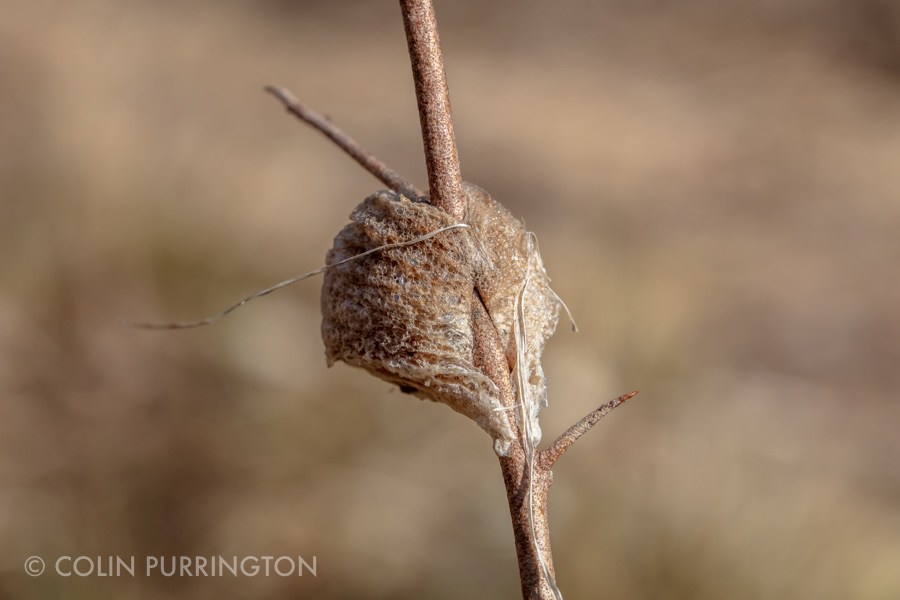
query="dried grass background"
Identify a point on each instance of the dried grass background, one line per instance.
(716, 189)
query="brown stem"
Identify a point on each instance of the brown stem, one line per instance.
(445, 183)
(385, 174)
(562, 443)
(491, 360)
(529, 519)
(441, 158)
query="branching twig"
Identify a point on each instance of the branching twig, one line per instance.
(562, 443)
(388, 176)
(445, 185)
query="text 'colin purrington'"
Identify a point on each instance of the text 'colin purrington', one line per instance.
(186, 566)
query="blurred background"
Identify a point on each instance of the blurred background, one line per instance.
(716, 189)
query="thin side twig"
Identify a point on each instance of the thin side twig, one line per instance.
(441, 158)
(562, 443)
(385, 174)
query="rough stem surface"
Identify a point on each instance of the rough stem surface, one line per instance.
(433, 97)
(445, 184)
(489, 357)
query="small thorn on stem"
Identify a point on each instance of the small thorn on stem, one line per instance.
(562, 443)
(385, 174)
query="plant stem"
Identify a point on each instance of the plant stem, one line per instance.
(491, 360)
(445, 184)
(441, 158)
(530, 531)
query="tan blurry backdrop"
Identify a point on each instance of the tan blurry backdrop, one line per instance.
(716, 189)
